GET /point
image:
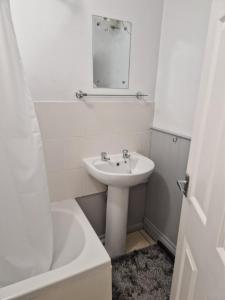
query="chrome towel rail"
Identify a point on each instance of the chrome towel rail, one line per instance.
(81, 95)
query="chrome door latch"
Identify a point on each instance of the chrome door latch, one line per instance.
(183, 185)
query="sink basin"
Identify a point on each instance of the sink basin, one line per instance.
(119, 174)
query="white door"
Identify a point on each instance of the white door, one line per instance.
(200, 260)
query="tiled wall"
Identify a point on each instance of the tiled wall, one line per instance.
(75, 130)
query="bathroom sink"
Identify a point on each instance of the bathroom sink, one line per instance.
(119, 172)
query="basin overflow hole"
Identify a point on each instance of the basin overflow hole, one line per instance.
(118, 164)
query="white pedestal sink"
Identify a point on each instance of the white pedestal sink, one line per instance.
(119, 174)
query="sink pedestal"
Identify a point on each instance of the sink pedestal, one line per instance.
(119, 175)
(116, 220)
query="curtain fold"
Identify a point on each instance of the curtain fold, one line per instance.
(26, 238)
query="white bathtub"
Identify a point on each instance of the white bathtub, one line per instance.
(81, 268)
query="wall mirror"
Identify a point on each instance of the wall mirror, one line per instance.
(111, 41)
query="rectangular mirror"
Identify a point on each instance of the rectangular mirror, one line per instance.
(111, 41)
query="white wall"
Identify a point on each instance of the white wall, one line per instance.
(184, 30)
(55, 39)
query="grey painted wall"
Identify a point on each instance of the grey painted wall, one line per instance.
(155, 206)
(163, 199)
(94, 206)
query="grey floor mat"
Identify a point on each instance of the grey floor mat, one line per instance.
(145, 274)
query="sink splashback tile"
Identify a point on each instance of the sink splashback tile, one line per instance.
(72, 131)
(66, 184)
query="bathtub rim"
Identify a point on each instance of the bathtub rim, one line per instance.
(92, 257)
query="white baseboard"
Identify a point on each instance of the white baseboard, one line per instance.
(156, 234)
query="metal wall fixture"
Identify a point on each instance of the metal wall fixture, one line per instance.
(80, 95)
(175, 139)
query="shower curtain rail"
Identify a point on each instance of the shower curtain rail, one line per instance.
(138, 95)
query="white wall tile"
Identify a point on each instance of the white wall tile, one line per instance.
(117, 117)
(125, 116)
(140, 142)
(66, 184)
(73, 131)
(94, 122)
(61, 120)
(73, 152)
(91, 185)
(94, 145)
(56, 185)
(53, 150)
(65, 120)
(51, 120)
(74, 182)
(134, 142)
(74, 117)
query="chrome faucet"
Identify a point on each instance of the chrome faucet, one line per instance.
(126, 154)
(104, 156)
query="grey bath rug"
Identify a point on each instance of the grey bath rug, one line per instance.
(145, 274)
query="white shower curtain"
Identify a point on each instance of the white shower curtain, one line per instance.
(26, 239)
